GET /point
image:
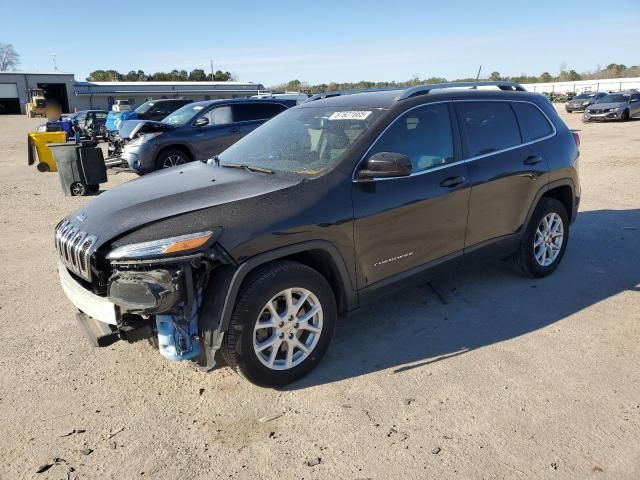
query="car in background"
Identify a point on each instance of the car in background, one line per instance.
(121, 106)
(89, 122)
(582, 101)
(151, 110)
(614, 106)
(197, 131)
(158, 109)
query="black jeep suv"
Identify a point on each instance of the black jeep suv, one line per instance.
(321, 209)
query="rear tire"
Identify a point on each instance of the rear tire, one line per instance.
(544, 241)
(274, 338)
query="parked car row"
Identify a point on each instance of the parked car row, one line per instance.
(313, 214)
(601, 106)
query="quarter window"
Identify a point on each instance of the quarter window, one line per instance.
(532, 120)
(423, 134)
(489, 126)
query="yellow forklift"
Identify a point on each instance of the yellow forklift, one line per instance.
(37, 104)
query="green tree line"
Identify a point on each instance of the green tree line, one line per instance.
(195, 75)
(612, 70)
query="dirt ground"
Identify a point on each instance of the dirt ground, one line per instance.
(494, 376)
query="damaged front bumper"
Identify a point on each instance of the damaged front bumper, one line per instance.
(147, 299)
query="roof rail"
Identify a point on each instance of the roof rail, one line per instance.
(424, 89)
(337, 93)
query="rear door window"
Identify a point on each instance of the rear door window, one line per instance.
(247, 112)
(532, 121)
(488, 127)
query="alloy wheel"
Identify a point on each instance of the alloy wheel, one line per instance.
(288, 329)
(548, 239)
(172, 161)
(78, 189)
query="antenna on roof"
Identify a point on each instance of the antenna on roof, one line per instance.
(478, 75)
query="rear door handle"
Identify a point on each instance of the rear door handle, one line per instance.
(453, 182)
(532, 160)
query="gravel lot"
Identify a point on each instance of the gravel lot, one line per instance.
(485, 375)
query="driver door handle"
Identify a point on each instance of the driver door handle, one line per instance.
(532, 160)
(453, 182)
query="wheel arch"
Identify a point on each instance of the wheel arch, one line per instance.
(223, 288)
(562, 190)
(564, 194)
(175, 146)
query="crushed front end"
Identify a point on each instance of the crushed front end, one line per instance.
(149, 289)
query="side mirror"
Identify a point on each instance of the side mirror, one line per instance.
(201, 122)
(386, 165)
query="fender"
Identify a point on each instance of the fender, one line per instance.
(225, 282)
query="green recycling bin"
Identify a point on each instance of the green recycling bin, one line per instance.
(81, 167)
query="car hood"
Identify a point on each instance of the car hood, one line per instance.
(131, 128)
(168, 193)
(599, 106)
(579, 101)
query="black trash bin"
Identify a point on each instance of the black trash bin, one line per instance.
(81, 167)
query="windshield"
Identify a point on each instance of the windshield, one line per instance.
(145, 107)
(183, 115)
(305, 140)
(585, 95)
(615, 98)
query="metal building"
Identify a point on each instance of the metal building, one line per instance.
(16, 89)
(102, 95)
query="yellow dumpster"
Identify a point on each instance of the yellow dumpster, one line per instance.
(38, 141)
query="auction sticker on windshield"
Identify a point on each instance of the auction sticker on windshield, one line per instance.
(350, 115)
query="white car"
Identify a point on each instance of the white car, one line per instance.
(121, 106)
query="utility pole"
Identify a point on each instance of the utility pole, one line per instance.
(212, 69)
(55, 65)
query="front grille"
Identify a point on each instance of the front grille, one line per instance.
(596, 111)
(74, 248)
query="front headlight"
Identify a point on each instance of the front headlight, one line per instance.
(143, 138)
(165, 246)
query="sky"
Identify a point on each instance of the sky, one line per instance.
(321, 42)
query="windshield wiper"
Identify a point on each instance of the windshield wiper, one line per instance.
(249, 168)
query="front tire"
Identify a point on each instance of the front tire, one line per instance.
(171, 158)
(544, 241)
(78, 189)
(625, 116)
(282, 324)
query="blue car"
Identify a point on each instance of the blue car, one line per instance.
(196, 131)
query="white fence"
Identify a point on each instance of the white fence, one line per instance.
(604, 85)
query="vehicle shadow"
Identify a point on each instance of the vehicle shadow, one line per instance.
(481, 306)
